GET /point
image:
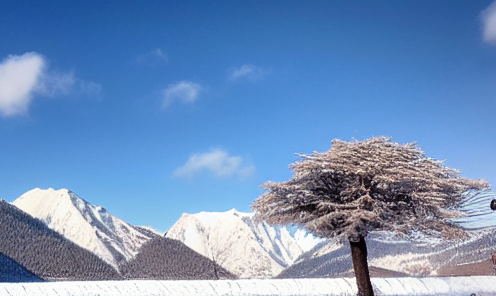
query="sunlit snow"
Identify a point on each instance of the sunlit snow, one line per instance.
(476, 285)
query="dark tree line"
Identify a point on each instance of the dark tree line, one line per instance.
(44, 252)
(13, 272)
(168, 259)
(28, 246)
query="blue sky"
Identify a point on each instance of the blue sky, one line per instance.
(155, 108)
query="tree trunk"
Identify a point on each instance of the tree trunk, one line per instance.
(359, 256)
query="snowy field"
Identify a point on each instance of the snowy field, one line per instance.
(475, 285)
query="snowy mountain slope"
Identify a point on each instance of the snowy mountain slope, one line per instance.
(89, 226)
(43, 252)
(151, 229)
(422, 257)
(236, 243)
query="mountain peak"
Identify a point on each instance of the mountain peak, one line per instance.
(235, 242)
(39, 195)
(89, 226)
(233, 211)
(50, 189)
(35, 249)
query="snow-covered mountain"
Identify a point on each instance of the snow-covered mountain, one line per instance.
(89, 226)
(34, 252)
(236, 243)
(419, 257)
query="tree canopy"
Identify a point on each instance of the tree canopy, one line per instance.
(360, 186)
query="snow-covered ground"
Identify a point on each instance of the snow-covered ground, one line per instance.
(478, 285)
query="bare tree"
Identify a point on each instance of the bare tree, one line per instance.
(360, 186)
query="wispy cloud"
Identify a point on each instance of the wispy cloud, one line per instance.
(489, 23)
(19, 77)
(24, 76)
(183, 91)
(52, 84)
(218, 162)
(246, 71)
(152, 58)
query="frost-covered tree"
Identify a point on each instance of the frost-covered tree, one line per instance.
(361, 186)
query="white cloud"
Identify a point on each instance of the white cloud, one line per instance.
(183, 91)
(247, 71)
(489, 23)
(153, 57)
(19, 78)
(217, 161)
(24, 76)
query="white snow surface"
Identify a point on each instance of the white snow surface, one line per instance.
(234, 241)
(88, 226)
(475, 285)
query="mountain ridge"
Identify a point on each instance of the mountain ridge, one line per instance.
(432, 258)
(87, 225)
(234, 241)
(44, 252)
(245, 249)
